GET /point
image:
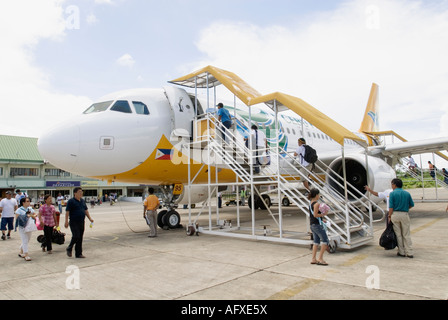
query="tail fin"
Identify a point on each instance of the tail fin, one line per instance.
(370, 121)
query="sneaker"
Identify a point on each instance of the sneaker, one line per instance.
(3, 237)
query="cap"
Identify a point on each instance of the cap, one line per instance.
(8, 192)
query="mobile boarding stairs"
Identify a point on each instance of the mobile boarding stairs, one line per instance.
(349, 224)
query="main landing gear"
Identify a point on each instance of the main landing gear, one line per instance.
(169, 218)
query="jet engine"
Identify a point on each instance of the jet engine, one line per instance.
(380, 175)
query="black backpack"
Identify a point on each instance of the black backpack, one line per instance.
(310, 154)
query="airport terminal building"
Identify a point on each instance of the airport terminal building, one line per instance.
(22, 167)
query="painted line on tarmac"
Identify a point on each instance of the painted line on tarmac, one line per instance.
(427, 225)
(308, 283)
(354, 260)
(295, 289)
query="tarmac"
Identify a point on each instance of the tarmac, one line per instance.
(123, 263)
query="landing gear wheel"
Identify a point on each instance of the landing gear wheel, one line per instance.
(332, 246)
(256, 202)
(160, 218)
(266, 199)
(171, 219)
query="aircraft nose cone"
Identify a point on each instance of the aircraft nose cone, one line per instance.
(60, 146)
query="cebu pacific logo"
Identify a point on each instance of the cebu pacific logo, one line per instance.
(372, 115)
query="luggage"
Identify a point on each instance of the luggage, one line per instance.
(388, 239)
(57, 237)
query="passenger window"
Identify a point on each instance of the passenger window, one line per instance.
(121, 106)
(140, 107)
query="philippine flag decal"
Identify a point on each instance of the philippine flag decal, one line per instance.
(164, 154)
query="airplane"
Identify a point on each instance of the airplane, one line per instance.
(133, 136)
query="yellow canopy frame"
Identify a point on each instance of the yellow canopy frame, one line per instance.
(210, 76)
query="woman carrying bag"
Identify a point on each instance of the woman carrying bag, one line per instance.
(319, 233)
(25, 221)
(47, 218)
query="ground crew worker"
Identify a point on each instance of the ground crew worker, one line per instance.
(150, 206)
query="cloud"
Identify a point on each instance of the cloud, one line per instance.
(126, 60)
(330, 60)
(29, 102)
(91, 19)
(103, 2)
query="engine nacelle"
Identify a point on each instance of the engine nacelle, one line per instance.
(198, 195)
(380, 175)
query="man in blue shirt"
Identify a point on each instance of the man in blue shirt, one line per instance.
(224, 117)
(400, 201)
(77, 211)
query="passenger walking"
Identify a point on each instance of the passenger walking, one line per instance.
(306, 166)
(400, 201)
(259, 142)
(319, 233)
(432, 170)
(225, 118)
(77, 211)
(47, 217)
(8, 206)
(150, 206)
(25, 217)
(59, 199)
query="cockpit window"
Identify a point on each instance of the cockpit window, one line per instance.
(121, 106)
(98, 107)
(140, 107)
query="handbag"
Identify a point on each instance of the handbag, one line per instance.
(30, 225)
(388, 239)
(40, 226)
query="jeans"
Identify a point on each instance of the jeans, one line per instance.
(226, 125)
(319, 234)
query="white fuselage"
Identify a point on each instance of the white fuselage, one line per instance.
(127, 136)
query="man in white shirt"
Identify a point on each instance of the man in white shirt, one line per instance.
(259, 141)
(8, 207)
(59, 199)
(382, 195)
(305, 166)
(19, 195)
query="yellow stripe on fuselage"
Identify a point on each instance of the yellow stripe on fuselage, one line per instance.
(164, 172)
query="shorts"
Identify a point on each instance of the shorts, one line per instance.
(305, 170)
(319, 234)
(9, 222)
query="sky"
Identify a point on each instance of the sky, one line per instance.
(57, 57)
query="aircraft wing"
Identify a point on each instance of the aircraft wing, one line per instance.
(404, 149)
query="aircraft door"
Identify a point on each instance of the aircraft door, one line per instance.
(182, 111)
